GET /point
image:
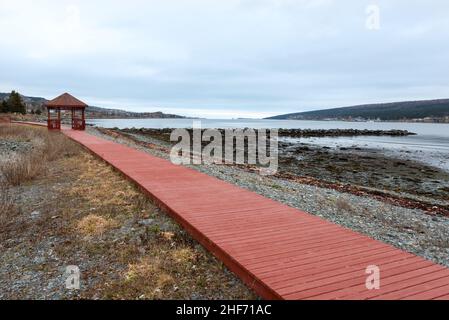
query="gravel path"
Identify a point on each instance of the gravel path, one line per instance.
(408, 229)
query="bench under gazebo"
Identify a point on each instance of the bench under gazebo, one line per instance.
(66, 102)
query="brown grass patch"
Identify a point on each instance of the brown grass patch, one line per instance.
(22, 133)
(145, 279)
(93, 225)
(57, 145)
(47, 146)
(167, 235)
(143, 269)
(6, 201)
(344, 205)
(184, 255)
(8, 210)
(107, 194)
(23, 168)
(164, 280)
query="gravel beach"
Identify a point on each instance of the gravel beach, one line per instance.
(412, 230)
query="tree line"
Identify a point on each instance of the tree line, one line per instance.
(13, 104)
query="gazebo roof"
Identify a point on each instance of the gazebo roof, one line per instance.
(65, 101)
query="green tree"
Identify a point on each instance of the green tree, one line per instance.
(15, 103)
(4, 107)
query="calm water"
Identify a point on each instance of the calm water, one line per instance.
(430, 145)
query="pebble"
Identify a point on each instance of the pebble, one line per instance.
(35, 213)
(146, 222)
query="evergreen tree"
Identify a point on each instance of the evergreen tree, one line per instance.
(4, 107)
(15, 103)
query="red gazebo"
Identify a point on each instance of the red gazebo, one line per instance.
(66, 102)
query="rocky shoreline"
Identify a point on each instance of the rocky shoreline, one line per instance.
(292, 133)
(308, 133)
(355, 166)
(410, 224)
(368, 168)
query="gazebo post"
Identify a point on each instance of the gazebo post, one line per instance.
(73, 117)
(59, 118)
(53, 123)
(83, 119)
(48, 118)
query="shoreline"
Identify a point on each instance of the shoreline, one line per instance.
(357, 166)
(421, 232)
(40, 118)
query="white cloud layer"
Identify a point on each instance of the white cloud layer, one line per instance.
(225, 58)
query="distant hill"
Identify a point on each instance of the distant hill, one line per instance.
(409, 110)
(32, 103)
(97, 112)
(37, 103)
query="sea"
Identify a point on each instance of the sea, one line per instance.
(430, 145)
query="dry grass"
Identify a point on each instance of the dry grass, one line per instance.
(23, 168)
(47, 147)
(343, 205)
(107, 194)
(93, 225)
(148, 277)
(23, 133)
(8, 210)
(340, 203)
(56, 146)
(159, 261)
(184, 255)
(6, 201)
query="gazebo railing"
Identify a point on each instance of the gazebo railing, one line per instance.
(54, 124)
(78, 124)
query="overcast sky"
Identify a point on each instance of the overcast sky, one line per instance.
(226, 58)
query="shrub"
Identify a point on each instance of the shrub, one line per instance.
(47, 146)
(23, 168)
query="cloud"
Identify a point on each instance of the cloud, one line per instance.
(225, 58)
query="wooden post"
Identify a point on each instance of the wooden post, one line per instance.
(59, 118)
(73, 118)
(83, 119)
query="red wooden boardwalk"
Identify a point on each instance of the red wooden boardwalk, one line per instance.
(279, 251)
